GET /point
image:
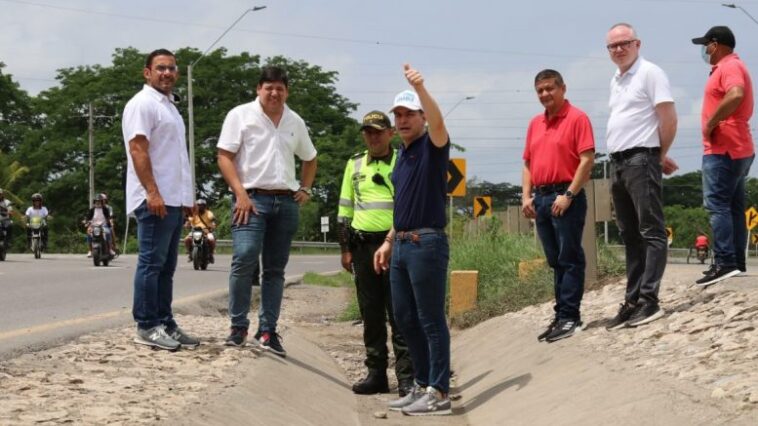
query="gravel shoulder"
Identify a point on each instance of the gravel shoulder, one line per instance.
(697, 365)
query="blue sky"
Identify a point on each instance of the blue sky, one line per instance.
(485, 49)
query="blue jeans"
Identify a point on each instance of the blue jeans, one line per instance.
(269, 232)
(154, 277)
(418, 279)
(561, 238)
(724, 199)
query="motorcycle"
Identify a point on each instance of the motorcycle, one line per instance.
(100, 251)
(701, 254)
(36, 224)
(3, 241)
(201, 251)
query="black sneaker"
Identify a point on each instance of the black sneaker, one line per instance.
(710, 269)
(719, 273)
(550, 327)
(270, 342)
(237, 337)
(647, 312)
(620, 320)
(564, 329)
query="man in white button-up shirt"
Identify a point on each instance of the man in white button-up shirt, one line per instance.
(256, 154)
(158, 186)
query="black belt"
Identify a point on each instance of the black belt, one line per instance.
(369, 237)
(627, 153)
(413, 234)
(252, 191)
(550, 189)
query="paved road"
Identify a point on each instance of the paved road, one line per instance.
(60, 296)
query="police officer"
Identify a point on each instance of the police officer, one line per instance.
(365, 216)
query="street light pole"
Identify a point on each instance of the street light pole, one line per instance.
(190, 103)
(467, 98)
(734, 6)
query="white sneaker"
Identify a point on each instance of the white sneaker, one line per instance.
(89, 254)
(431, 403)
(411, 397)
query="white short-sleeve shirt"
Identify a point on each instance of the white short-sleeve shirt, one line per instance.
(150, 113)
(40, 212)
(265, 154)
(633, 121)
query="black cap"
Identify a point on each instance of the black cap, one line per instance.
(377, 120)
(719, 34)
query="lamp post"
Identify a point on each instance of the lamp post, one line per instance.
(190, 104)
(734, 6)
(466, 98)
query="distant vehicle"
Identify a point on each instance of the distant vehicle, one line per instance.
(201, 251)
(36, 224)
(100, 252)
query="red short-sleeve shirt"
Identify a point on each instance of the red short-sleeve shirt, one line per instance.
(553, 146)
(732, 136)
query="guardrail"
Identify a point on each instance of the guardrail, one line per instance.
(295, 244)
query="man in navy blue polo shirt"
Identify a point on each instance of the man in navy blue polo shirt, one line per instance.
(418, 248)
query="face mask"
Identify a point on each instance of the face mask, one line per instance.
(705, 55)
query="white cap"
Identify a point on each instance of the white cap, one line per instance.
(407, 99)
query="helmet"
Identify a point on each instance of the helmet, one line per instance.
(201, 202)
(37, 197)
(100, 197)
(103, 196)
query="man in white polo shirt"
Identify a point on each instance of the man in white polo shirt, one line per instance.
(641, 128)
(256, 154)
(158, 186)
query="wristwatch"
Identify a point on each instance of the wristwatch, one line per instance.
(569, 194)
(307, 190)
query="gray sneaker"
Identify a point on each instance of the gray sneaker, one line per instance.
(415, 393)
(180, 336)
(431, 403)
(156, 337)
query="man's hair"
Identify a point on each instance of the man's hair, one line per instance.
(547, 74)
(154, 53)
(273, 74)
(625, 25)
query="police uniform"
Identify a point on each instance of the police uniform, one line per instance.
(365, 215)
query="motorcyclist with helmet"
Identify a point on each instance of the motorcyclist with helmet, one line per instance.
(6, 211)
(203, 218)
(100, 215)
(37, 210)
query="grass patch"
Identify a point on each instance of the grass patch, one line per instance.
(496, 256)
(342, 279)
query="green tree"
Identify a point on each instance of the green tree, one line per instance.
(15, 112)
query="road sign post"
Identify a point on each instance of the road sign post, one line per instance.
(483, 206)
(456, 184)
(324, 225)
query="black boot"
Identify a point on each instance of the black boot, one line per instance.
(404, 386)
(375, 382)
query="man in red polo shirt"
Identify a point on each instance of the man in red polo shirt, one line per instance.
(558, 158)
(728, 151)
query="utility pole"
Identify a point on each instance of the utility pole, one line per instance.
(91, 128)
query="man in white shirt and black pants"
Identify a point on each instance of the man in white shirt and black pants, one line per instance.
(641, 128)
(158, 186)
(256, 154)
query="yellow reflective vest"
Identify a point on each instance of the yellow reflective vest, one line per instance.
(367, 192)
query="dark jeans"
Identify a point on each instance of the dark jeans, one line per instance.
(418, 275)
(561, 238)
(724, 199)
(637, 200)
(375, 302)
(269, 232)
(154, 277)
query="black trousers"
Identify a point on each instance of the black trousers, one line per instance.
(375, 303)
(638, 201)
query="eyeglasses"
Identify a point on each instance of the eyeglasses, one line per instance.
(166, 68)
(622, 44)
